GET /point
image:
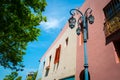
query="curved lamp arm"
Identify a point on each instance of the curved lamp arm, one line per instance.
(71, 11)
(87, 11)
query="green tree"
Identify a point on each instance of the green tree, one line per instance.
(40, 79)
(13, 76)
(32, 76)
(18, 21)
(19, 78)
(35, 75)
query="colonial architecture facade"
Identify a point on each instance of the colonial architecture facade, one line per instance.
(59, 61)
(64, 60)
(103, 45)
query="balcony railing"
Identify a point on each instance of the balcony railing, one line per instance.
(112, 25)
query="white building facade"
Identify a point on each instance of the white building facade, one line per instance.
(59, 62)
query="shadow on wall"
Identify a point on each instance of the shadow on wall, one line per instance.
(82, 75)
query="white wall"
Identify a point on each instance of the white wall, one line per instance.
(67, 63)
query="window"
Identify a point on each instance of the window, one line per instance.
(117, 48)
(50, 59)
(57, 57)
(111, 9)
(47, 71)
(48, 67)
(66, 41)
(43, 64)
(117, 3)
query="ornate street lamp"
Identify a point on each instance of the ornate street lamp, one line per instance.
(82, 25)
(78, 30)
(72, 22)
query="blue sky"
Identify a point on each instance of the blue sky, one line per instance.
(57, 13)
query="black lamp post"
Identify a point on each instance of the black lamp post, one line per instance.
(82, 26)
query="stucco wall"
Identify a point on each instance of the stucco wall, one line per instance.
(101, 57)
(67, 62)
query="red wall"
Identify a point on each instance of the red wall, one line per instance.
(101, 57)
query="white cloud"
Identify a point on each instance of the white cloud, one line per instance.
(52, 23)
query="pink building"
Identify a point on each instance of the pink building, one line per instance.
(103, 43)
(64, 60)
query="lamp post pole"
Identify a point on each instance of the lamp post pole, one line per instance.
(84, 27)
